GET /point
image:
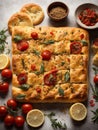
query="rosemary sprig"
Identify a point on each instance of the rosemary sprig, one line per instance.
(95, 92)
(3, 37)
(95, 117)
(95, 70)
(56, 124)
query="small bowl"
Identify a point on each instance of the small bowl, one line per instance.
(80, 9)
(57, 11)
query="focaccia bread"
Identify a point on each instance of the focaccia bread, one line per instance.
(50, 64)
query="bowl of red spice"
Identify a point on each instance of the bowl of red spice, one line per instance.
(87, 16)
(57, 11)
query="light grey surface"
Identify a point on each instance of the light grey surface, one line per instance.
(9, 7)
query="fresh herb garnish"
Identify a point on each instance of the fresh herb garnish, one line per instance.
(42, 69)
(61, 91)
(84, 42)
(17, 38)
(55, 123)
(66, 76)
(24, 87)
(48, 42)
(95, 92)
(23, 63)
(95, 117)
(36, 52)
(20, 96)
(62, 63)
(3, 42)
(95, 70)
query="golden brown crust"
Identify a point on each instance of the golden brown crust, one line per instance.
(34, 11)
(71, 70)
(19, 19)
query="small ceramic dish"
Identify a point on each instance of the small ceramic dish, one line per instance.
(82, 8)
(57, 11)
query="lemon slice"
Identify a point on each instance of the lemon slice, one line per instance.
(4, 61)
(78, 111)
(35, 118)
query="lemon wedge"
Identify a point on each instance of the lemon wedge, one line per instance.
(4, 61)
(35, 118)
(78, 111)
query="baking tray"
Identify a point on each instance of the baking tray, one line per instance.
(9, 7)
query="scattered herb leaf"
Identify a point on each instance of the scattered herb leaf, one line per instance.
(62, 63)
(3, 38)
(95, 117)
(20, 96)
(17, 38)
(24, 87)
(56, 124)
(36, 52)
(61, 91)
(95, 70)
(49, 42)
(42, 69)
(23, 63)
(84, 43)
(95, 92)
(66, 76)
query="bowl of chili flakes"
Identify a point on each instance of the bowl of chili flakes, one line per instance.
(87, 16)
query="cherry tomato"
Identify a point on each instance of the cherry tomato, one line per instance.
(75, 47)
(34, 35)
(38, 90)
(9, 120)
(12, 104)
(22, 78)
(22, 46)
(4, 87)
(96, 42)
(26, 108)
(19, 121)
(33, 67)
(96, 79)
(50, 78)
(46, 55)
(3, 111)
(6, 73)
(82, 36)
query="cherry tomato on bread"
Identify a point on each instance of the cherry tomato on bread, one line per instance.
(34, 35)
(46, 55)
(75, 47)
(22, 78)
(22, 45)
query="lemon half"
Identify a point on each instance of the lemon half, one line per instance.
(35, 118)
(4, 61)
(78, 111)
